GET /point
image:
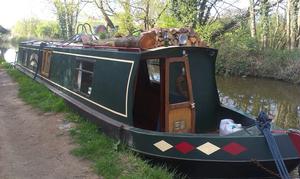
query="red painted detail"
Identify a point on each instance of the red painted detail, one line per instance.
(295, 138)
(279, 131)
(184, 147)
(234, 148)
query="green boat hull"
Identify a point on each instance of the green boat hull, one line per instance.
(201, 154)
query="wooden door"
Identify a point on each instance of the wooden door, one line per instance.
(179, 109)
(46, 62)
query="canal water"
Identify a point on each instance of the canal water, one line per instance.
(8, 52)
(281, 100)
(251, 95)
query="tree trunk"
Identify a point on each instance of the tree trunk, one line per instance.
(294, 23)
(252, 19)
(147, 40)
(288, 26)
(108, 21)
(265, 22)
(298, 28)
(147, 19)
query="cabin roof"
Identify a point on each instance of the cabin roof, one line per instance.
(147, 52)
(173, 51)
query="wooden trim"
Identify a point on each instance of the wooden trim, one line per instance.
(179, 105)
(166, 94)
(190, 88)
(46, 63)
(162, 94)
(166, 103)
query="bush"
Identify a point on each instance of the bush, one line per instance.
(241, 55)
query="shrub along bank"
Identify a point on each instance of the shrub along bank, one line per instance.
(110, 159)
(241, 55)
(276, 64)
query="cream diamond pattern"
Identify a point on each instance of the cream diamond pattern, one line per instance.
(163, 145)
(208, 148)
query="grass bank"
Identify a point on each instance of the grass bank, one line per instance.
(109, 159)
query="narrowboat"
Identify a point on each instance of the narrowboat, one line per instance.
(163, 103)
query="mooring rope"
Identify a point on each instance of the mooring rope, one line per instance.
(263, 124)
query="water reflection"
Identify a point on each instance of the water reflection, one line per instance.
(10, 55)
(279, 99)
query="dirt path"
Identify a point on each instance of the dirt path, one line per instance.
(31, 144)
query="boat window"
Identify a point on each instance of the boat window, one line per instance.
(33, 61)
(153, 70)
(25, 58)
(178, 83)
(84, 71)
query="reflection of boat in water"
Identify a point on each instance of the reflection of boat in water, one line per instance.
(162, 102)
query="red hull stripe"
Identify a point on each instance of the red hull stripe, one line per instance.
(295, 138)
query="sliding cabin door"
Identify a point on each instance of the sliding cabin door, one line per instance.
(179, 107)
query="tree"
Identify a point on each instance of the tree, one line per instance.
(126, 18)
(294, 23)
(26, 28)
(252, 18)
(288, 26)
(264, 13)
(100, 4)
(67, 12)
(36, 28)
(148, 11)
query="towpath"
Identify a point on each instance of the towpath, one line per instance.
(31, 144)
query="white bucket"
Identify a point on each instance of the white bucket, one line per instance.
(227, 126)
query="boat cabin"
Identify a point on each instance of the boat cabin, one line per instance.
(162, 102)
(175, 90)
(166, 89)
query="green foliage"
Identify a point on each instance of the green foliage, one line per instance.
(125, 23)
(48, 29)
(26, 28)
(168, 21)
(125, 20)
(35, 28)
(205, 31)
(67, 12)
(239, 54)
(276, 32)
(147, 12)
(186, 11)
